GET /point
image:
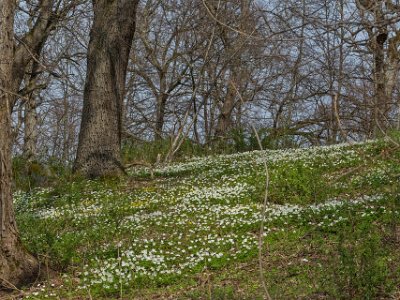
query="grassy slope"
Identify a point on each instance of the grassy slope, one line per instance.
(333, 228)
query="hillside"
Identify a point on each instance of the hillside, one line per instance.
(332, 228)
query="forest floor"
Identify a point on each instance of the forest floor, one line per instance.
(331, 231)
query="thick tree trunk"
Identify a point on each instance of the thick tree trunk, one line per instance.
(16, 265)
(99, 148)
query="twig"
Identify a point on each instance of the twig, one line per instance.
(9, 285)
(14, 94)
(383, 131)
(36, 59)
(335, 107)
(224, 24)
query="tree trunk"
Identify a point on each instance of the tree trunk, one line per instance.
(160, 115)
(66, 131)
(225, 122)
(225, 118)
(99, 148)
(392, 65)
(30, 129)
(17, 266)
(30, 113)
(380, 101)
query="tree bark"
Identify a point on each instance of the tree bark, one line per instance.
(225, 118)
(99, 148)
(31, 44)
(30, 117)
(17, 266)
(380, 105)
(30, 129)
(160, 115)
(235, 78)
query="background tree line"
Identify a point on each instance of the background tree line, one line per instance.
(309, 72)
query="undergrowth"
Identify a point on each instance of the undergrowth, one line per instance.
(332, 229)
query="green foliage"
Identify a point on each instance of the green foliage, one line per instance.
(363, 267)
(148, 151)
(245, 139)
(29, 175)
(219, 293)
(295, 182)
(237, 140)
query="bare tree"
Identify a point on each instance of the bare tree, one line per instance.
(379, 20)
(161, 51)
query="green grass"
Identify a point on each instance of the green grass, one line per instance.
(332, 228)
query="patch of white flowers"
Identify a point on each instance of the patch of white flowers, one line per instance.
(207, 218)
(333, 154)
(213, 232)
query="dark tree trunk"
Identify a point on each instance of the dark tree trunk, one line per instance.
(225, 118)
(17, 266)
(33, 41)
(30, 117)
(99, 148)
(30, 129)
(380, 101)
(160, 115)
